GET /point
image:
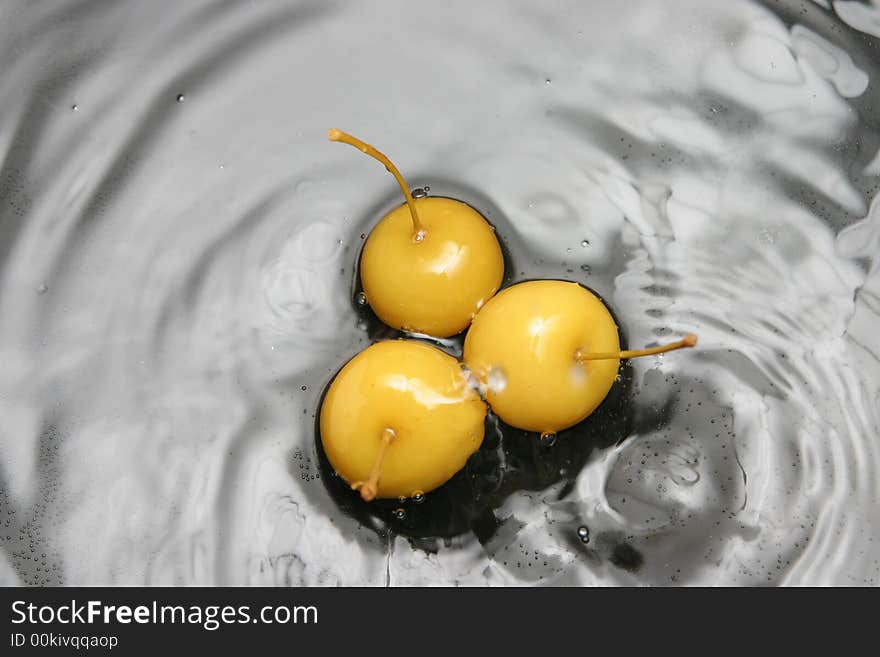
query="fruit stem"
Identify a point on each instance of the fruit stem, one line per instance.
(370, 488)
(690, 340)
(344, 137)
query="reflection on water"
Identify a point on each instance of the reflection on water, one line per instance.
(177, 251)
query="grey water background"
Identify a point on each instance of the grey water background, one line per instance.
(177, 243)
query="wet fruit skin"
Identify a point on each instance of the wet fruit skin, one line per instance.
(434, 283)
(525, 343)
(418, 392)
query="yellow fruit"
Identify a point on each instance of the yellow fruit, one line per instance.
(399, 419)
(429, 265)
(547, 353)
(524, 345)
(436, 285)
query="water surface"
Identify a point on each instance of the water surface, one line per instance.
(177, 250)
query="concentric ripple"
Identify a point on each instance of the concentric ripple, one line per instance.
(177, 252)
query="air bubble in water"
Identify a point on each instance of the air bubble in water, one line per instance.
(419, 192)
(75, 108)
(399, 513)
(361, 299)
(548, 438)
(418, 497)
(180, 98)
(585, 243)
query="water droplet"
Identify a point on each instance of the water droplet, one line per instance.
(418, 497)
(363, 236)
(180, 98)
(768, 235)
(43, 289)
(305, 388)
(548, 438)
(361, 299)
(547, 80)
(583, 533)
(75, 108)
(419, 192)
(399, 513)
(585, 243)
